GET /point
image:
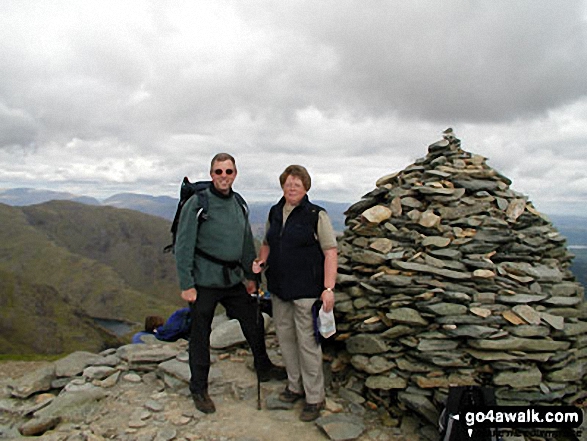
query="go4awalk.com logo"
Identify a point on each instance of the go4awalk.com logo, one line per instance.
(479, 419)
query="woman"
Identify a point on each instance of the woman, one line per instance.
(301, 256)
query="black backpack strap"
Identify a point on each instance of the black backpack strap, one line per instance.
(187, 191)
(243, 204)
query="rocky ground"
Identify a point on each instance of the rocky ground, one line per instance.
(125, 394)
(141, 406)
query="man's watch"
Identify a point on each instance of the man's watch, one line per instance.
(328, 289)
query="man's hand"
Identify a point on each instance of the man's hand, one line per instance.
(251, 286)
(189, 295)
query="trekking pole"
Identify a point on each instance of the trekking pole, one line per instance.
(259, 291)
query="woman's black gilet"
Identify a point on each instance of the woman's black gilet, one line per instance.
(295, 266)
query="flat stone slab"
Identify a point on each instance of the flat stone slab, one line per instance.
(419, 267)
(406, 316)
(366, 344)
(519, 380)
(520, 344)
(156, 353)
(341, 427)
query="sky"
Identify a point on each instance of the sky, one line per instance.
(98, 98)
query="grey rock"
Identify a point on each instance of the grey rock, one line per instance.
(366, 344)
(521, 299)
(520, 344)
(528, 331)
(368, 257)
(574, 329)
(394, 280)
(371, 365)
(341, 427)
(153, 406)
(272, 402)
(351, 396)
(176, 369)
(437, 345)
(72, 406)
(384, 382)
(398, 331)
(541, 272)
(519, 380)
(166, 434)
(444, 308)
(98, 372)
(556, 322)
(74, 363)
(420, 405)
(38, 426)
(472, 331)
(565, 289)
(446, 253)
(573, 372)
(406, 316)
(528, 313)
(436, 241)
(418, 267)
(145, 354)
(230, 333)
(563, 301)
(37, 381)
(475, 185)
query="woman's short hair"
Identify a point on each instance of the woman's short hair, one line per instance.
(297, 171)
(221, 157)
(152, 322)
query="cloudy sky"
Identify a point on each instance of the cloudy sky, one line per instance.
(103, 97)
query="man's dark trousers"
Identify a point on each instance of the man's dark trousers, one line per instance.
(239, 305)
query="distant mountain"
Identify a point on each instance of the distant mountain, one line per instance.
(162, 206)
(95, 262)
(574, 228)
(29, 196)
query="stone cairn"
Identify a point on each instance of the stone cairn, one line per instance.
(447, 277)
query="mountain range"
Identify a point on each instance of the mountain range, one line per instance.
(161, 206)
(64, 265)
(69, 264)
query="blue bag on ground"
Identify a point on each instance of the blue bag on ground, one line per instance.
(177, 326)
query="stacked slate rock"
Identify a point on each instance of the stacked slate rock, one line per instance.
(447, 276)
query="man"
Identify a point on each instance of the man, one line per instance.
(213, 259)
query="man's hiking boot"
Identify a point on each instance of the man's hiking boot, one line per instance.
(287, 396)
(203, 402)
(310, 412)
(272, 373)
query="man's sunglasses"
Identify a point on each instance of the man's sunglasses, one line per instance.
(219, 171)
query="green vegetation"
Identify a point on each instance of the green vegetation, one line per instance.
(64, 263)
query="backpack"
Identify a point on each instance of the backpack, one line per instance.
(187, 190)
(460, 399)
(177, 326)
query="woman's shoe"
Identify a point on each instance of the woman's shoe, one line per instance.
(311, 411)
(287, 396)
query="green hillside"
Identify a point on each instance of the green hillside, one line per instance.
(89, 261)
(34, 319)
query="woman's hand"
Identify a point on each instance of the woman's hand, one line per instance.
(327, 298)
(258, 265)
